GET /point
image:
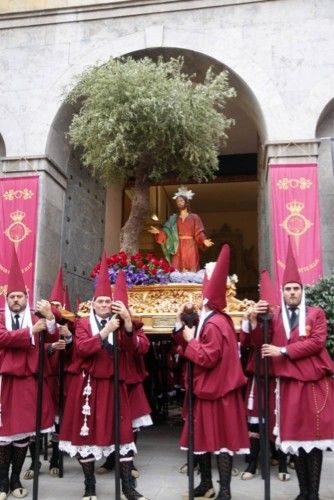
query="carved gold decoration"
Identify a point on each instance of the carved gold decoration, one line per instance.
(3, 290)
(13, 194)
(17, 231)
(301, 183)
(157, 305)
(296, 223)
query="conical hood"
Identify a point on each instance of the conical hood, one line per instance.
(291, 273)
(102, 287)
(120, 290)
(57, 294)
(267, 290)
(67, 302)
(15, 277)
(205, 285)
(215, 289)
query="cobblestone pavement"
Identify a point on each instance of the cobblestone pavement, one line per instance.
(158, 461)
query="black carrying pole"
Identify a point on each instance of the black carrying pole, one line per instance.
(190, 433)
(266, 455)
(259, 387)
(41, 360)
(61, 408)
(116, 416)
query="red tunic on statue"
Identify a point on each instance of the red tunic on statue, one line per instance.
(92, 361)
(19, 376)
(219, 413)
(305, 395)
(191, 237)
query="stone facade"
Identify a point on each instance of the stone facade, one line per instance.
(279, 54)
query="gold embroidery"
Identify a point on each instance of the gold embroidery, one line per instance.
(17, 231)
(303, 269)
(23, 269)
(296, 223)
(13, 194)
(301, 183)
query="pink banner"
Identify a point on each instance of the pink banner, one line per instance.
(18, 225)
(295, 213)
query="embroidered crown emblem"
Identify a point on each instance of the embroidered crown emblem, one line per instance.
(17, 216)
(295, 207)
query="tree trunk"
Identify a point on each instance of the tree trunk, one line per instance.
(130, 232)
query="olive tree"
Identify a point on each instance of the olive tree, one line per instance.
(144, 120)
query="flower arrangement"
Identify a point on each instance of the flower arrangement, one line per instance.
(139, 269)
(148, 270)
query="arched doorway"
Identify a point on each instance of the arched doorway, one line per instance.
(228, 205)
(325, 134)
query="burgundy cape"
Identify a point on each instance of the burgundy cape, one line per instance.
(19, 372)
(91, 358)
(306, 394)
(219, 413)
(191, 237)
(132, 364)
(251, 399)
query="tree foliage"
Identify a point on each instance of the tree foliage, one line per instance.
(322, 294)
(141, 110)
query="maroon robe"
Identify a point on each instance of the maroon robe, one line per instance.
(219, 414)
(19, 372)
(306, 398)
(251, 399)
(135, 373)
(191, 237)
(91, 359)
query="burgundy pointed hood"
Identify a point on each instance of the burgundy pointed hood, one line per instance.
(103, 288)
(120, 290)
(15, 277)
(57, 293)
(215, 287)
(291, 273)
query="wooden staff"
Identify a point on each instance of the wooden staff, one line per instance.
(259, 388)
(41, 361)
(265, 319)
(61, 407)
(116, 415)
(190, 432)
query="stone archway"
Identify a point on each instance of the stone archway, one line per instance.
(325, 133)
(2, 147)
(82, 240)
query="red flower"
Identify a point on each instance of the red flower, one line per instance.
(154, 271)
(139, 265)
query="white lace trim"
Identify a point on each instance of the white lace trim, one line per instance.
(292, 446)
(17, 437)
(241, 451)
(98, 451)
(143, 421)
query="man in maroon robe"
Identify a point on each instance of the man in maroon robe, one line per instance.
(182, 235)
(305, 387)
(87, 428)
(219, 415)
(18, 379)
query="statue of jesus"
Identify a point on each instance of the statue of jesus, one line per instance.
(182, 234)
